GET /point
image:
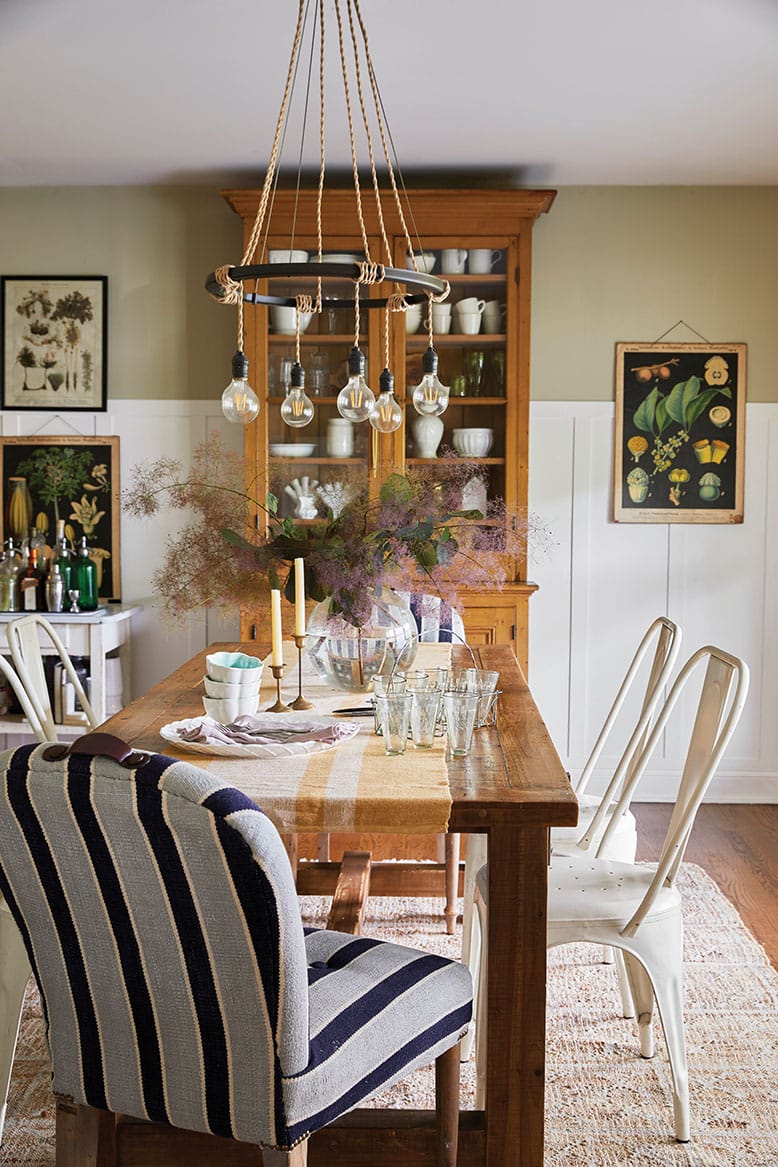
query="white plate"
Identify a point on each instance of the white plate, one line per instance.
(290, 749)
(292, 449)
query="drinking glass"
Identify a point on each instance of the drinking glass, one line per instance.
(394, 713)
(461, 708)
(474, 371)
(425, 705)
(386, 686)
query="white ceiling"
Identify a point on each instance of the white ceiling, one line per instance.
(550, 93)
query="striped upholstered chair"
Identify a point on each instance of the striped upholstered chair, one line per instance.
(160, 916)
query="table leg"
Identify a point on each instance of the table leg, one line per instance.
(516, 1023)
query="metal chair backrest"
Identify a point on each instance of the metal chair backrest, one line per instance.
(721, 701)
(28, 709)
(25, 646)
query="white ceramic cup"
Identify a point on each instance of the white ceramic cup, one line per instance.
(441, 318)
(482, 259)
(425, 262)
(471, 304)
(284, 319)
(469, 323)
(225, 690)
(284, 255)
(452, 261)
(413, 317)
(493, 316)
(340, 438)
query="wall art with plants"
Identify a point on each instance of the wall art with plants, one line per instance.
(680, 422)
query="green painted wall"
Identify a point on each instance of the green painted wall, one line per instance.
(626, 263)
(166, 337)
(611, 264)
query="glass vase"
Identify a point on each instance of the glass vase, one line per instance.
(347, 656)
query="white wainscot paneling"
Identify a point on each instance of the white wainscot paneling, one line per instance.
(148, 430)
(602, 584)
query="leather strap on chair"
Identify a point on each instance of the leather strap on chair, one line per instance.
(99, 745)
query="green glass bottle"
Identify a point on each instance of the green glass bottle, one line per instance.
(65, 564)
(83, 579)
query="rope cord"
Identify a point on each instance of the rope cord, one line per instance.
(260, 216)
(380, 122)
(366, 123)
(352, 142)
(320, 195)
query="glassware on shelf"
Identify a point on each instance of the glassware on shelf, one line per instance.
(474, 371)
(319, 375)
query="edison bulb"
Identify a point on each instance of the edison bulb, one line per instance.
(297, 408)
(386, 415)
(430, 396)
(240, 403)
(356, 398)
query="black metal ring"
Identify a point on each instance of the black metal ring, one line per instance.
(348, 271)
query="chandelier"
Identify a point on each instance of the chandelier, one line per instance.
(317, 285)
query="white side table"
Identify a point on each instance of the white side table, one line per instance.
(91, 634)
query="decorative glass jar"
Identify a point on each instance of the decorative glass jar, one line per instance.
(347, 656)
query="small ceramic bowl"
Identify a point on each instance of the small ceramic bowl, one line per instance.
(425, 262)
(473, 441)
(226, 689)
(226, 709)
(236, 668)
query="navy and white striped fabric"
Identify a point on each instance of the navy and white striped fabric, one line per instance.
(436, 620)
(159, 912)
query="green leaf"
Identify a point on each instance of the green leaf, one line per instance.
(271, 502)
(700, 404)
(396, 488)
(675, 402)
(690, 396)
(643, 417)
(662, 418)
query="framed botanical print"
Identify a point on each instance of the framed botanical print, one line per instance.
(72, 479)
(680, 424)
(54, 342)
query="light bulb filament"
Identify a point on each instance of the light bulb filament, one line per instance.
(355, 397)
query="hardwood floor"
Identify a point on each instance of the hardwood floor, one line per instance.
(738, 846)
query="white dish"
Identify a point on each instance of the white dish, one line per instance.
(473, 441)
(235, 668)
(226, 709)
(337, 257)
(292, 449)
(228, 689)
(169, 733)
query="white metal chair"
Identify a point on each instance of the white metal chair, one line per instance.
(25, 646)
(595, 811)
(637, 907)
(14, 966)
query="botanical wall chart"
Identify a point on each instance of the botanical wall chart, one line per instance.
(680, 421)
(54, 342)
(72, 478)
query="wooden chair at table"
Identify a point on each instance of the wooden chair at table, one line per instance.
(653, 661)
(160, 915)
(25, 646)
(636, 907)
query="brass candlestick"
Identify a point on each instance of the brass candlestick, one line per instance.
(299, 701)
(278, 707)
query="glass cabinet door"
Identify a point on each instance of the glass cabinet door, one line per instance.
(315, 466)
(471, 342)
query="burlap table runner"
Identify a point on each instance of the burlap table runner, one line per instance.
(354, 787)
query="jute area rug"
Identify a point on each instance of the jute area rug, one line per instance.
(605, 1104)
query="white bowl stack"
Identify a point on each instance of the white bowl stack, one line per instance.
(231, 685)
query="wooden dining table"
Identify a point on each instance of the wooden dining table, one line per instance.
(512, 788)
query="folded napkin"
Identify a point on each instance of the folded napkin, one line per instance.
(258, 730)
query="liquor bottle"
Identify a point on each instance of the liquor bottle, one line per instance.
(54, 589)
(64, 563)
(9, 590)
(33, 585)
(83, 578)
(38, 541)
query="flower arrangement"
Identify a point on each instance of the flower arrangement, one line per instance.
(414, 535)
